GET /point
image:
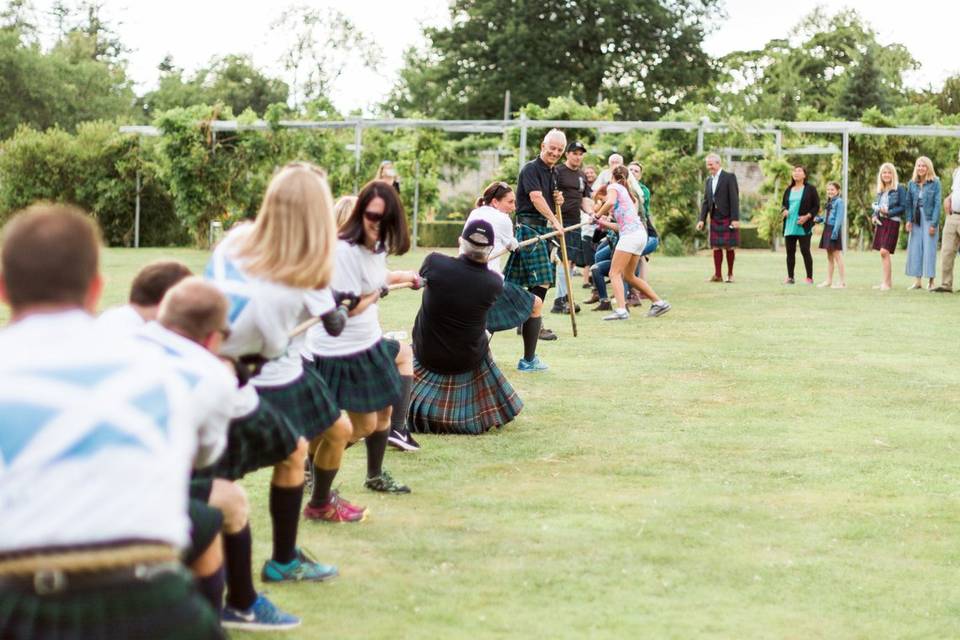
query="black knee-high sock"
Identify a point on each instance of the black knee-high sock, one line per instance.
(322, 483)
(237, 559)
(540, 292)
(376, 448)
(398, 419)
(531, 334)
(211, 588)
(285, 512)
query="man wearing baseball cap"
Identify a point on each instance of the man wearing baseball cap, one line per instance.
(572, 183)
(457, 387)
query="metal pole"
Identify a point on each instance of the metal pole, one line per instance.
(416, 198)
(136, 216)
(700, 137)
(523, 139)
(506, 105)
(357, 141)
(779, 142)
(846, 184)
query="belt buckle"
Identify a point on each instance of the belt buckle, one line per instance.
(49, 582)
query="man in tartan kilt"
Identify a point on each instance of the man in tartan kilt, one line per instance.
(530, 267)
(457, 388)
(721, 201)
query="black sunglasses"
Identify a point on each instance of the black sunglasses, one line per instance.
(373, 216)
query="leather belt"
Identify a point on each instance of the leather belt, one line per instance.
(47, 582)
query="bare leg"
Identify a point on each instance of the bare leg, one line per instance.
(887, 269)
(617, 266)
(638, 283)
(838, 258)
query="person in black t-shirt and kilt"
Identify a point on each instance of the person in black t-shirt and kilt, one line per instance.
(530, 267)
(457, 387)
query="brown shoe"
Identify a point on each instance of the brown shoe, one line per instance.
(604, 305)
(594, 299)
(714, 279)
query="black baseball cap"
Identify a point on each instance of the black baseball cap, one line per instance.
(576, 145)
(478, 232)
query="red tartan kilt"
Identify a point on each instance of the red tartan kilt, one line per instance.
(721, 235)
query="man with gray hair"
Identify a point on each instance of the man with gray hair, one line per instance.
(530, 267)
(951, 235)
(721, 201)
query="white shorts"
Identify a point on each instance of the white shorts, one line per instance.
(634, 242)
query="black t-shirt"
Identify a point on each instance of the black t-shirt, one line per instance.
(449, 334)
(534, 176)
(573, 186)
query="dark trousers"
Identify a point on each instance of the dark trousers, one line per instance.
(804, 242)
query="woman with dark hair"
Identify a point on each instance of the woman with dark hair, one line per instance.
(360, 366)
(515, 306)
(801, 204)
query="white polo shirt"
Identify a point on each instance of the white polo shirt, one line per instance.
(503, 237)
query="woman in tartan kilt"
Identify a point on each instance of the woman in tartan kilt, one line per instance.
(369, 376)
(515, 306)
(457, 386)
(265, 270)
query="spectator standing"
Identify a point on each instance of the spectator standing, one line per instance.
(832, 239)
(800, 205)
(572, 183)
(923, 223)
(888, 209)
(951, 234)
(721, 201)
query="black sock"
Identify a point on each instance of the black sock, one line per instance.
(285, 512)
(376, 448)
(398, 419)
(211, 588)
(237, 559)
(531, 334)
(322, 482)
(540, 292)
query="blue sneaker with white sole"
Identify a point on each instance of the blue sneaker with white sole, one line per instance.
(304, 568)
(262, 616)
(532, 365)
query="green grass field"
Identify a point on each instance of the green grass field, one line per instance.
(763, 461)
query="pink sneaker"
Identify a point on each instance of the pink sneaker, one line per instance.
(336, 509)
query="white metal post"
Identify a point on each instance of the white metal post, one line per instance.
(845, 187)
(523, 139)
(357, 141)
(136, 215)
(416, 198)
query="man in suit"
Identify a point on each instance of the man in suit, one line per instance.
(721, 199)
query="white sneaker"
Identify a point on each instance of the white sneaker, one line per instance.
(618, 314)
(658, 309)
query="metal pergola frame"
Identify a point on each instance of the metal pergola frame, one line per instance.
(703, 127)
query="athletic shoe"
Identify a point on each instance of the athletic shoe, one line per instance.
(565, 308)
(532, 365)
(336, 509)
(658, 309)
(808, 281)
(262, 616)
(619, 314)
(546, 334)
(788, 281)
(604, 305)
(402, 440)
(385, 483)
(304, 568)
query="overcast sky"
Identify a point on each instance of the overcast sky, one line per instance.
(193, 31)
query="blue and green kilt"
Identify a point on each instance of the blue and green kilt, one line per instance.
(205, 524)
(530, 266)
(512, 308)
(260, 439)
(306, 403)
(463, 403)
(363, 382)
(165, 607)
(575, 247)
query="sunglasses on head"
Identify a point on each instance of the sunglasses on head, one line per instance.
(373, 216)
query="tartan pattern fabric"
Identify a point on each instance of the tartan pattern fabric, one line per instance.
(166, 607)
(255, 441)
(530, 266)
(464, 403)
(512, 308)
(886, 235)
(306, 403)
(205, 524)
(827, 243)
(363, 382)
(721, 235)
(575, 247)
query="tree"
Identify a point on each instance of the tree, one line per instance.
(644, 54)
(861, 88)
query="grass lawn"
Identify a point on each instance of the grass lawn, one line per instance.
(763, 461)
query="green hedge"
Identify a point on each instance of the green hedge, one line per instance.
(440, 233)
(750, 238)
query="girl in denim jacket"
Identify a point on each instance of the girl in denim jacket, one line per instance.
(923, 223)
(832, 240)
(888, 209)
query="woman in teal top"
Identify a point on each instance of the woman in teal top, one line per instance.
(801, 204)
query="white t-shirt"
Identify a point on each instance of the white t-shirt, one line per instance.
(262, 313)
(358, 270)
(97, 438)
(319, 302)
(503, 237)
(213, 385)
(124, 320)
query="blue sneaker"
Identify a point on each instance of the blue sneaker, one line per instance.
(532, 365)
(304, 568)
(262, 616)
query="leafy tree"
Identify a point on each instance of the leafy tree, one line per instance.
(643, 54)
(861, 88)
